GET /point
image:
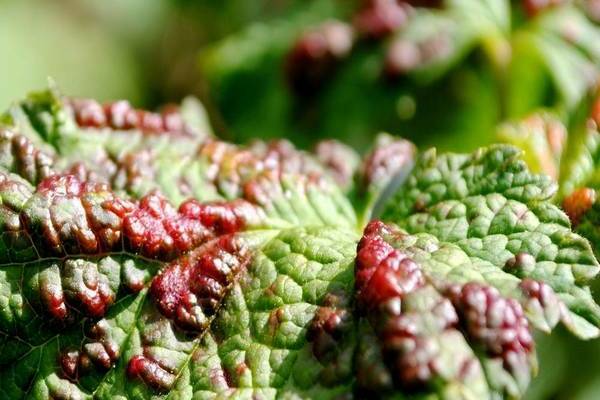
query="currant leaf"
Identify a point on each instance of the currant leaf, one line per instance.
(488, 205)
(185, 267)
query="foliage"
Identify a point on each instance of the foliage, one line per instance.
(143, 258)
(427, 70)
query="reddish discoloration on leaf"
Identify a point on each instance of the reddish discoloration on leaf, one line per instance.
(410, 351)
(150, 372)
(404, 56)
(25, 159)
(384, 276)
(101, 354)
(540, 299)
(152, 227)
(520, 262)
(339, 159)
(73, 364)
(222, 217)
(97, 221)
(53, 299)
(497, 323)
(69, 361)
(86, 287)
(232, 169)
(371, 251)
(276, 318)
(555, 134)
(80, 224)
(13, 194)
(332, 338)
(228, 164)
(120, 115)
(387, 281)
(263, 188)
(326, 331)
(540, 292)
(100, 349)
(383, 272)
(190, 289)
(387, 158)
(134, 168)
(87, 228)
(67, 186)
(280, 154)
(156, 229)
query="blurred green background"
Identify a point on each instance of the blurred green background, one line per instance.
(497, 65)
(145, 51)
(152, 52)
(232, 54)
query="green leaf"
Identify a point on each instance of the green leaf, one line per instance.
(135, 162)
(293, 270)
(497, 215)
(86, 312)
(438, 322)
(115, 285)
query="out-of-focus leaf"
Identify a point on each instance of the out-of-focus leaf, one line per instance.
(31, 55)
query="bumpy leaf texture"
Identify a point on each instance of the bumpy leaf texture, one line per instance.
(142, 258)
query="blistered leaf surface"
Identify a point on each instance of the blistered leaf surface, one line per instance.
(142, 258)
